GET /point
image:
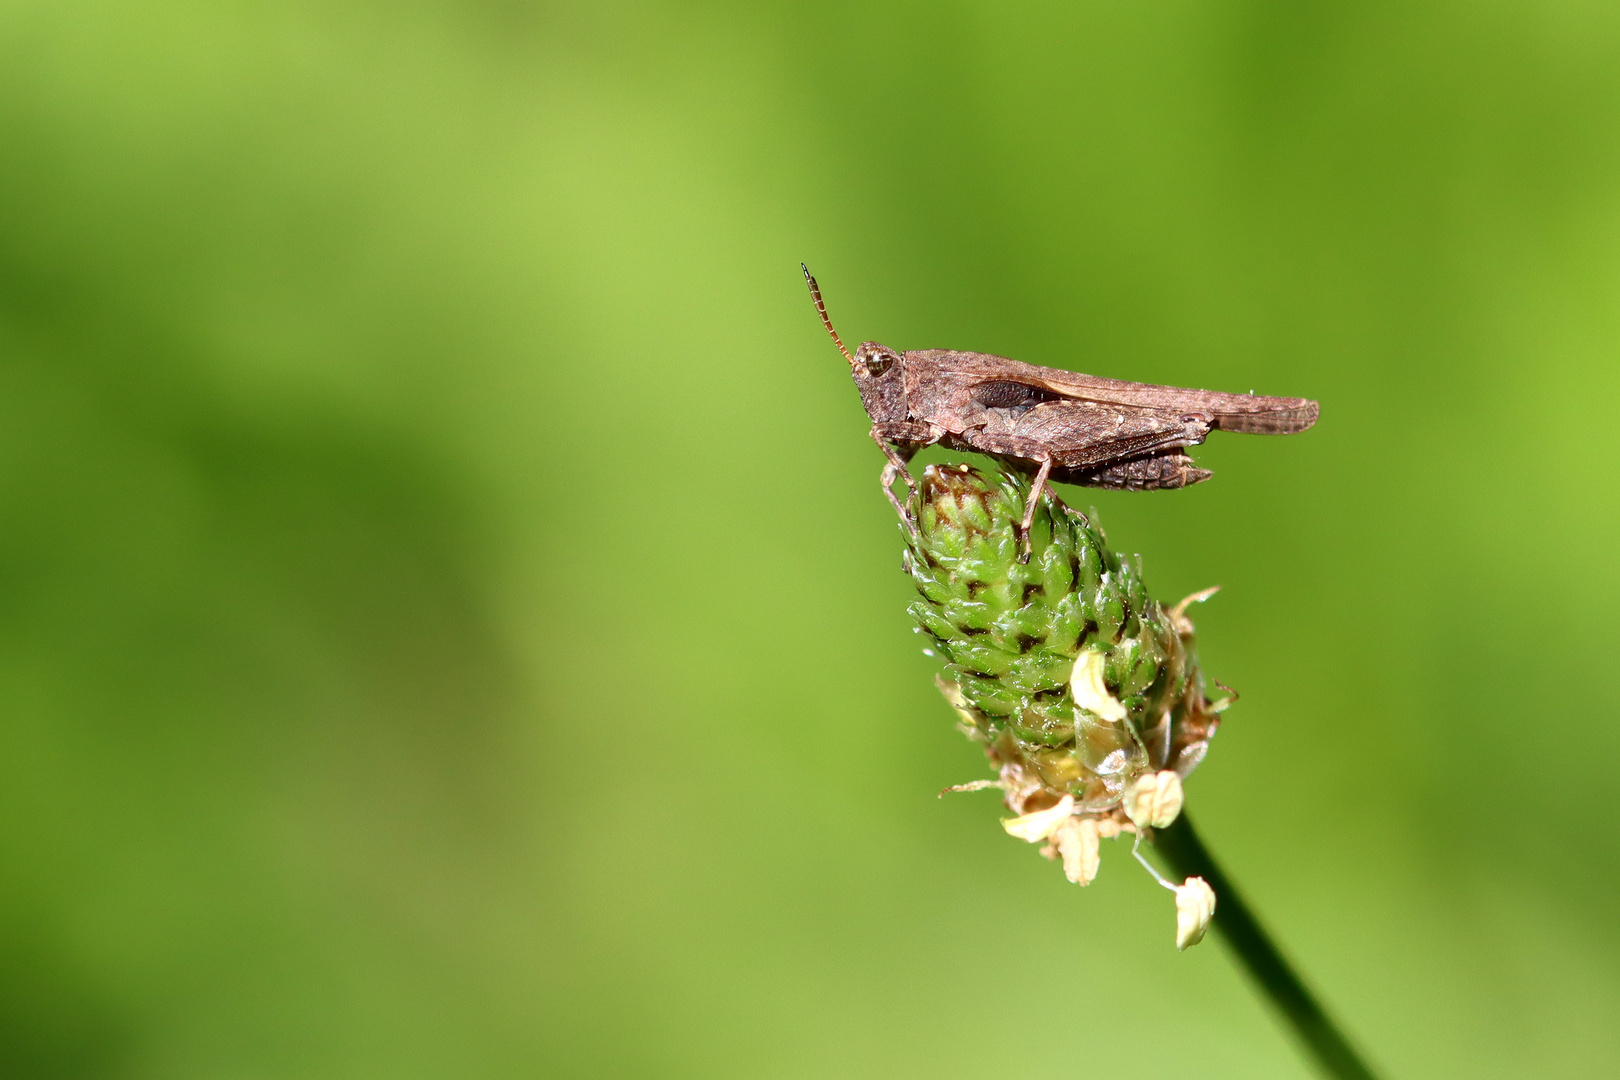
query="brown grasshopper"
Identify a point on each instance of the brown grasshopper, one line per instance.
(1074, 428)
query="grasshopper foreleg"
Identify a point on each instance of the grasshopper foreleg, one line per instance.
(894, 470)
(885, 435)
(1035, 489)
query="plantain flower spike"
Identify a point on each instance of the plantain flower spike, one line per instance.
(1084, 691)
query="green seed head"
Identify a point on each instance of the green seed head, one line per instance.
(1076, 681)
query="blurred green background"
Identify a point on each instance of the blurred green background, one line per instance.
(449, 626)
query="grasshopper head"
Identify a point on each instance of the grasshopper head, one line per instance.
(879, 371)
(879, 374)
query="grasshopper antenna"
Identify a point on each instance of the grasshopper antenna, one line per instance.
(821, 309)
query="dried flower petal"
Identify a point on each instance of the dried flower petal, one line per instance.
(1195, 907)
(971, 785)
(1178, 614)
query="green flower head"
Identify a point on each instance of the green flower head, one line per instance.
(1084, 691)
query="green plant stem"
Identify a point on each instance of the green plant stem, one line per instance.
(1186, 855)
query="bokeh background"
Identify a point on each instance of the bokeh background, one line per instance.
(449, 626)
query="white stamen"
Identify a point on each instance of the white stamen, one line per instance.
(1154, 800)
(1195, 907)
(1076, 841)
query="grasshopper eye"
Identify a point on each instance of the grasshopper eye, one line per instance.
(877, 365)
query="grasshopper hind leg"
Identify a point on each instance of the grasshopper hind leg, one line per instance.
(1164, 471)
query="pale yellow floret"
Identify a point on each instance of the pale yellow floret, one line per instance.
(1041, 824)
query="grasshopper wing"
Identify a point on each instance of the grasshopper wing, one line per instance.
(1227, 412)
(1249, 413)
